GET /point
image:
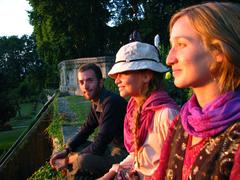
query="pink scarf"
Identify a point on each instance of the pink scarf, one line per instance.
(157, 100)
(213, 118)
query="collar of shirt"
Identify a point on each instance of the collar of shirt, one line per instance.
(98, 106)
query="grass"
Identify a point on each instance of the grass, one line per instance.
(26, 109)
(7, 139)
(79, 106)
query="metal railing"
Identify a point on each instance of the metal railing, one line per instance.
(18, 149)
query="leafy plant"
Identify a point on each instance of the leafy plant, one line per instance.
(46, 172)
(110, 85)
(54, 129)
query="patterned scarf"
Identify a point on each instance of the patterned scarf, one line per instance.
(157, 100)
(213, 118)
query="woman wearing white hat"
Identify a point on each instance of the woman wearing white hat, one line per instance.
(138, 74)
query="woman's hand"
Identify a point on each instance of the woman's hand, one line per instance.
(111, 173)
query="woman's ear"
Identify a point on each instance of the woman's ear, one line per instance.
(218, 56)
(217, 52)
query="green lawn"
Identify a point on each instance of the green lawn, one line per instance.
(7, 138)
(79, 106)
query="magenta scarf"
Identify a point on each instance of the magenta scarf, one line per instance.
(157, 100)
(213, 118)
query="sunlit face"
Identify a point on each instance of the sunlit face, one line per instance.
(188, 57)
(89, 85)
(130, 83)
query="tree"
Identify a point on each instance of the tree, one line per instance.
(7, 108)
(18, 60)
(125, 10)
(69, 29)
(86, 28)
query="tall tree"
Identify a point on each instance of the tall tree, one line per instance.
(18, 60)
(8, 107)
(123, 11)
(69, 29)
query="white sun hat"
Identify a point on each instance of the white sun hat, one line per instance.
(137, 56)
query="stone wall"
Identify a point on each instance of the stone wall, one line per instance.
(68, 72)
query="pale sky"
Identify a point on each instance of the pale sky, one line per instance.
(14, 18)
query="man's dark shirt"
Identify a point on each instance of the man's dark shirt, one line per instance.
(108, 114)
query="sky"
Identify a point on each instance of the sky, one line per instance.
(14, 18)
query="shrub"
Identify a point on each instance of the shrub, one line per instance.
(46, 172)
(110, 85)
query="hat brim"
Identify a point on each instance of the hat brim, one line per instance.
(134, 66)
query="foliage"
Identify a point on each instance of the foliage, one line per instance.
(21, 73)
(8, 108)
(79, 106)
(110, 85)
(73, 29)
(125, 10)
(80, 28)
(179, 95)
(69, 29)
(54, 129)
(46, 172)
(18, 58)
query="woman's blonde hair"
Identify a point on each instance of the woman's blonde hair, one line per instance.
(218, 24)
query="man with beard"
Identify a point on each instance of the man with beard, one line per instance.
(107, 114)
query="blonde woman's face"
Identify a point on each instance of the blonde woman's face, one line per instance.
(130, 84)
(188, 57)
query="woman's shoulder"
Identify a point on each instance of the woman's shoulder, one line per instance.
(167, 113)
